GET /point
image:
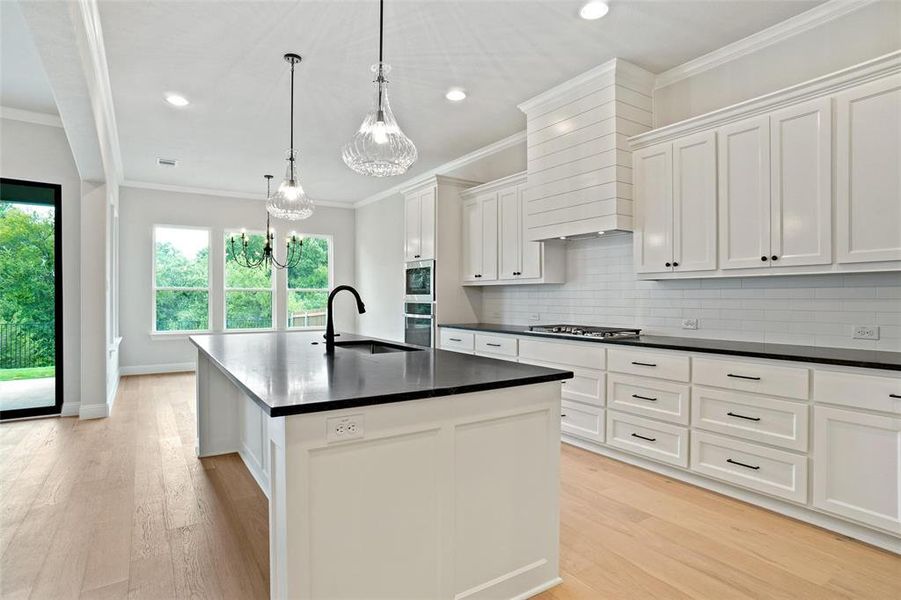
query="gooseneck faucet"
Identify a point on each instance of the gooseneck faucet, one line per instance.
(330, 323)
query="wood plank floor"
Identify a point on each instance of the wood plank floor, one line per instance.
(121, 508)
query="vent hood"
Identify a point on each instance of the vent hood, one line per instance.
(579, 161)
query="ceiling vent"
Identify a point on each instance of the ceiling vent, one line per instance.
(167, 162)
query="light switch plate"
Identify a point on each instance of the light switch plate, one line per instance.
(534, 317)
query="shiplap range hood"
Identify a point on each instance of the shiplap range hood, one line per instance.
(579, 161)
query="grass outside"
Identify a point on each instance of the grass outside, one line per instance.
(32, 373)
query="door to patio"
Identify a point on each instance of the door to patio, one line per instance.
(30, 299)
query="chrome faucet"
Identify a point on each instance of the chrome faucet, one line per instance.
(330, 324)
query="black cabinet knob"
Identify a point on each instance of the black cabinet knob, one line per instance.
(668, 265)
(774, 257)
(763, 258)
(416, 255)
(675, 264)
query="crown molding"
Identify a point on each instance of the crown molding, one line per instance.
(490, 186)
(814, 17)
(28, 116)
(466, 159)
(826, 85)
(200, 191)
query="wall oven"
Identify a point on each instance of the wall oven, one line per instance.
(419, 281)
(419, 327)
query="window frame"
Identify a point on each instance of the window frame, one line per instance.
(330, 240)
(154, 288)
(225, 289)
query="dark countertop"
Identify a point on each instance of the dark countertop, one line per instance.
(846, 357)
(286, 374)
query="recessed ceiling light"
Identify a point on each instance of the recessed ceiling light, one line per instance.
(176, 100)
(593, 10)
(455, 95)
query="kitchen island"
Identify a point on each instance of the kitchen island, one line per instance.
(392, 471)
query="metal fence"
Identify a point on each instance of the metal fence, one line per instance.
(27, 345)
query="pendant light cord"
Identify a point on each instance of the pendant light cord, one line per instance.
(381, 78)
(292, 112)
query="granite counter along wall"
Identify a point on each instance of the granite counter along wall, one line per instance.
(601, 289)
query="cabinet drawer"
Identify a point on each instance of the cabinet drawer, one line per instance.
(769, 471)
(858, 391)
(587, 385)
(648, 397)
(588, 355)
(649, 364)
(768, 420)
(582, 421)
(454, 339)
(659, 441)
(495, 344)
(790, 382)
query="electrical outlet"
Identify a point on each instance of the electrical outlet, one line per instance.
(534, 317)
(689, 323)
(341, 429)
(867, 332)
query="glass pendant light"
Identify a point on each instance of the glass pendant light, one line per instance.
(380, 148)
(289, 201)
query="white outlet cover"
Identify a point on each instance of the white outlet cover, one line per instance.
(866, 332)
(689, 323)
(342, 429)
(534, 317)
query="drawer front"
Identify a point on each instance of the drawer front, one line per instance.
(766, 470)
(768, 420)
(649, 364)
(454, 339)
(585, 354)
(648, 397)
(587, 385)
(858, 391)
(790, 382)
(583, 421)
(659, 441)
(495, 344)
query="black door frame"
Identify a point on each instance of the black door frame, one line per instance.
(56, 408)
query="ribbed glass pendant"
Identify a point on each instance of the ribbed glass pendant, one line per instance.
(289, 201)
(380, 148)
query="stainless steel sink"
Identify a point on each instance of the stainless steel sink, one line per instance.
(374, 347)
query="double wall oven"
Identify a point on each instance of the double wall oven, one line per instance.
(419, 302)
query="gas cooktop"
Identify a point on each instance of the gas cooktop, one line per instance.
(585, 331)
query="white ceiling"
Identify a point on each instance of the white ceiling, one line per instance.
(23, 82)
(226, 58)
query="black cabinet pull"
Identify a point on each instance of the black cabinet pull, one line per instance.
(492, 345)
(644, 398)
(764, 258)
(416, 255)
(774, 257)
(732, 414)
(477, 275)
(668, 264)
(563, 414)
(894, 395)
(742, 377)
(641, 364)
(455, 339)
(741, 464)
(675, 264)
(641, 437)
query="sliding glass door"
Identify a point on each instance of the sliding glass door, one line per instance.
(30, 299)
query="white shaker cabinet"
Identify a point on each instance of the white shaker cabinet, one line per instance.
(857, 466)
(744, 193)
(868, 175)
(653, 237)
(419, 225)
(518, 258)
(801, 184)
(480, 238)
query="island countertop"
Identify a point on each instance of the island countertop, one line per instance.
(288, 373)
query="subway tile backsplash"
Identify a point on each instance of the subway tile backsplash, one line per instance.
(601, 289)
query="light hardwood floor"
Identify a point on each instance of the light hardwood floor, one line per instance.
(121, 508)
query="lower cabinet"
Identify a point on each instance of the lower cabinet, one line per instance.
(857, 466)
(660, 441)
(582, 420)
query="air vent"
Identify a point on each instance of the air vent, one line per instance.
(167, 162)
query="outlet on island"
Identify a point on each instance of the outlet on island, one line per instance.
(341, 429)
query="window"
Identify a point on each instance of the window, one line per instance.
(181, 282)
(248, 291)
(309, 284)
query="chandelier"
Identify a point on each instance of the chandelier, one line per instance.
(240, 252)
(289, 201)
(380, 148)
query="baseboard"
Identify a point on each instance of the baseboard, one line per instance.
(111, 396)
(255, 468)
(70, 409)
(155, 369)
(541, 588)
(808, 514)
(93, 411)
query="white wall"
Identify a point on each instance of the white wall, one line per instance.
(41, 153)
(379, 267)
(601, 289)
(140, 209)
(853, 38)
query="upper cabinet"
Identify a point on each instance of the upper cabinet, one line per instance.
(495, 247)
(419, 225)
(868, 175)
(748, 190)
